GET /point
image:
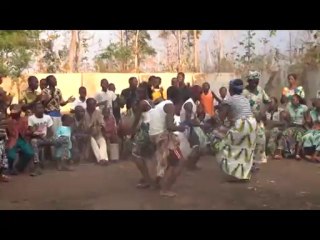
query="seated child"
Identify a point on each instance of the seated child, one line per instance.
(65, 132)
(110, 128)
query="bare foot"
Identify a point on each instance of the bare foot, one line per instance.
(167, 194)
(298, 158)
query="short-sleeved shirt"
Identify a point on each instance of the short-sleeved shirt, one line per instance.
(297, 113)
(256, 99)
(41, 125)
(78, 102)
(315, 115)
(108, 96)
(65, 132)
(28, 96)
(55, 99)
(240, 107)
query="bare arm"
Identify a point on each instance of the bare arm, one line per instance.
(143, 107)
(169, 110)
(216, 97)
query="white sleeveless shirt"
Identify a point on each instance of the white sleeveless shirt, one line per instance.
(157, 115)
(183, 111)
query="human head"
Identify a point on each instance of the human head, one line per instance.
(51, 81)
(223, 92)
(292, 79)
(196, 92)
(157, 82)
(174, 82)
(112, 87)
(33, 83)
(180, 78)
(235, 87)
(66, 120)
(133, 82)
(273, 105)
(173, 94)
(38, 110)
(82, 92)
(91, 105)
(79, 112)
(151, 80)
(205, 87)
(104, 84)
(296, 100)
(253, 79)
(43, 83)
(15, 110)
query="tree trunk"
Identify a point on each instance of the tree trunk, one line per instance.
(196, 50)
(136, 52)
(78, 52)
(179, 48)
(72, 50)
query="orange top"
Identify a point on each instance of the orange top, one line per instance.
(207, 101)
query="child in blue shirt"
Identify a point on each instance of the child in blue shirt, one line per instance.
(65, 132)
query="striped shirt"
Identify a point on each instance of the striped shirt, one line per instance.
(240, 106)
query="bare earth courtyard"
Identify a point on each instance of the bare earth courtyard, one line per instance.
(285, 184)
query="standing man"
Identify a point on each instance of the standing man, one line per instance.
(105, 97)
(129, 94)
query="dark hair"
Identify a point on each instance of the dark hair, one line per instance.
(173, 93)
(82, 88)
(90, 99)
(147, 88)
(65, 117)
(206, 83)
(104, 79)
(131, 79)
(301, 100)
(48, 78)
(32, 78)
(44, 80)
(181, 73)
(295, 76)
(111, 84)
(223, 88)
(36, 104)
(151, 78)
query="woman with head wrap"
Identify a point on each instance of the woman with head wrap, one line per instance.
(235, 150)
(257, 97)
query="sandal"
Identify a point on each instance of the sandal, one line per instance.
(167, 194)
(277, 157)
(142, 185)
(298, 158)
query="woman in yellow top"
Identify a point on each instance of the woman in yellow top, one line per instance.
(157, 91)
(292, 89)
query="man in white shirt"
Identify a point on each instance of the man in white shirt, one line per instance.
(41, 128)
(81, 101)
(105, 97)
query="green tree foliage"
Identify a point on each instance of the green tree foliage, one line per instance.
(119, 56)
(16, 50)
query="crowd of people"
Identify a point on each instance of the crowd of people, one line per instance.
(240, 126)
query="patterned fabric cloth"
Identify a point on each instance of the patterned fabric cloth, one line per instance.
(290, 138)
(28, 96)
(312, 137)
(274, 134)
(290, 92)
(297, 113)
(62, 142)
(256, 99)
(55, 99)
(235, 152)
(164, 142)
(260, 150)
(3, 156)
(142, 145)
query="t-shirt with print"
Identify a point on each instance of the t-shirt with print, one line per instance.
(55, 99)
(41, 125)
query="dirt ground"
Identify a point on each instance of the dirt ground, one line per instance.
(285, 184)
